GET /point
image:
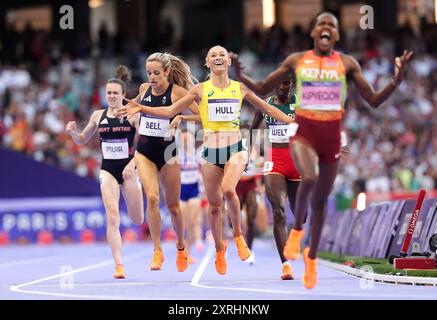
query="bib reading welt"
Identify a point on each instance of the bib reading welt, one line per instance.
(115, 149)
(278, 133)
(223, 109)
(154, 126)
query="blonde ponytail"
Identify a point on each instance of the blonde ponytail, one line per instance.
(180, 72)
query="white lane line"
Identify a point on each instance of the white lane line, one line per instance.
(316, 294)
(203, 264)
(18, 288)
(115, 284)
(371, 295)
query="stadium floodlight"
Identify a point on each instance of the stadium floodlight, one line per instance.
(95, 3)
(269, 17)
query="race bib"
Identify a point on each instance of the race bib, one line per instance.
(318, 95)
(268, 166)
(115, 149)
(278, 133)
(292, 129)
(154, 127)
(223, 109)
(189, 176)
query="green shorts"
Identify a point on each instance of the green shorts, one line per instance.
(220, 156)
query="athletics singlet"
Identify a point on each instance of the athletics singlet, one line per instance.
(321, 93)
(154, 141)
(279, 160)
(320, 87)
(220, 111)
(278, 129)
(220, 108)
(116, 142)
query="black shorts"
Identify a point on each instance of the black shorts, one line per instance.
(115, 168)
(220, 156)
(157, 150)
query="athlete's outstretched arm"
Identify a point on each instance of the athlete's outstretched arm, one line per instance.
(264, 106)
(194, 108)
(182, 117)
(263, 88)
(130, 167)
(134, 107)
(374, 99)
(86, 134)
(257, 119)
(179, 93)
(136, 123)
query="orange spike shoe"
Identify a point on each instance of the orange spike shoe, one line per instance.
(292, 246)
(310, 276)
(158, 259)
(243, 249)
(220, 260)
(119, 272)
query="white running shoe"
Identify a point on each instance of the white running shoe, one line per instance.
(251, 260)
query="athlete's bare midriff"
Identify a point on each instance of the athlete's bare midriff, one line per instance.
(276, 145)
(221, 139)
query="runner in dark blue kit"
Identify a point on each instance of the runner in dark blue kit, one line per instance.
(117, 170)
(190, 200)
(156, 157)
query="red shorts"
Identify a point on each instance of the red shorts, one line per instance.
(281, 163)
(245, 186)
(203, 203)
(324, 136)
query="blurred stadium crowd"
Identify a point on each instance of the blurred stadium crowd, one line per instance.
(44, 84)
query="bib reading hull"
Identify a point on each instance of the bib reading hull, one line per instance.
(220, 108)
(223, 109)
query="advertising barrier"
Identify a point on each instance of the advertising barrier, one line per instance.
(421, 229)
(379, 230)
(64, 220)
